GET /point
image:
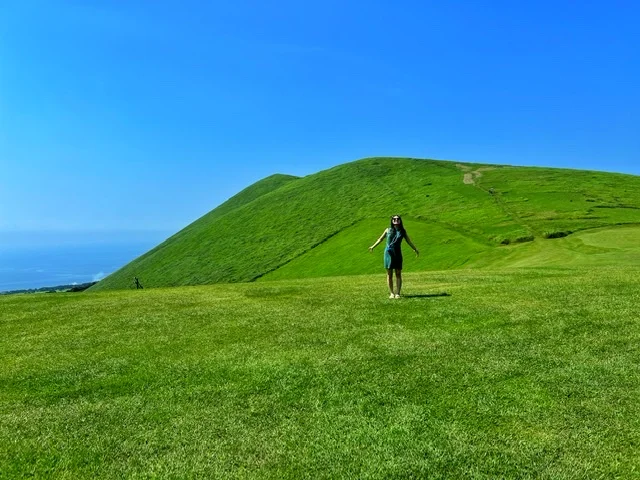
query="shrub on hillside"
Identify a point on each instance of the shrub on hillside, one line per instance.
(556, 234)
(526, 238)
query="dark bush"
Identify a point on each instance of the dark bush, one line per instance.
(556, 234)
(528, 238)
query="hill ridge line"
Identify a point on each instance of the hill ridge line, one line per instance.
(324, 240)
(454, 228)
(259, 198)
(288, 179)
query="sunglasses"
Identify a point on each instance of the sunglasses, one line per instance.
(395, 218)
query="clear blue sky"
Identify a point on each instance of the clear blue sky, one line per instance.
(132, 115)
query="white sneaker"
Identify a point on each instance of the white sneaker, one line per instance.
(397, 295)
(391, 295)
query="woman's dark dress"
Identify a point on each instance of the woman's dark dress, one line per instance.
(392, 252)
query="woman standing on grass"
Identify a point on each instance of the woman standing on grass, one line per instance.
(393, 254)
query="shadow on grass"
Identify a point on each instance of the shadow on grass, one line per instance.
(428, 295)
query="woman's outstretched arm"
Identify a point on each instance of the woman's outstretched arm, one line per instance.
(406, 236)
(379, 240)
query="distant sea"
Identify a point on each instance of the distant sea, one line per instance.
(39, 265)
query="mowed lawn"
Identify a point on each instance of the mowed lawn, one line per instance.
(527, 373)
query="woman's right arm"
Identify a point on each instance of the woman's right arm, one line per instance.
(379, 240)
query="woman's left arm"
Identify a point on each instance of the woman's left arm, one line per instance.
(406, 236)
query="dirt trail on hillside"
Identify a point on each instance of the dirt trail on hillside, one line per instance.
(470, 176)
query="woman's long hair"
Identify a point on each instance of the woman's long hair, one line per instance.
(400, 225)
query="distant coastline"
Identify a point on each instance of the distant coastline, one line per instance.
(57, 289)
(32, 265)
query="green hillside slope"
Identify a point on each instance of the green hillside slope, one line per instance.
(347, 252)
(249, 194)
(321, 224)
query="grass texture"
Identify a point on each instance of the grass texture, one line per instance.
(452, 211)
(494, 373)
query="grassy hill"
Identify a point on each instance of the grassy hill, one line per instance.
(459, 215)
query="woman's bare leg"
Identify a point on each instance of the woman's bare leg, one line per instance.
(399, 281)
(390, 281)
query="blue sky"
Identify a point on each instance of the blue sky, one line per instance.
(131, 115)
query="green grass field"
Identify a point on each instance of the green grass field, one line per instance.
(515, 372)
